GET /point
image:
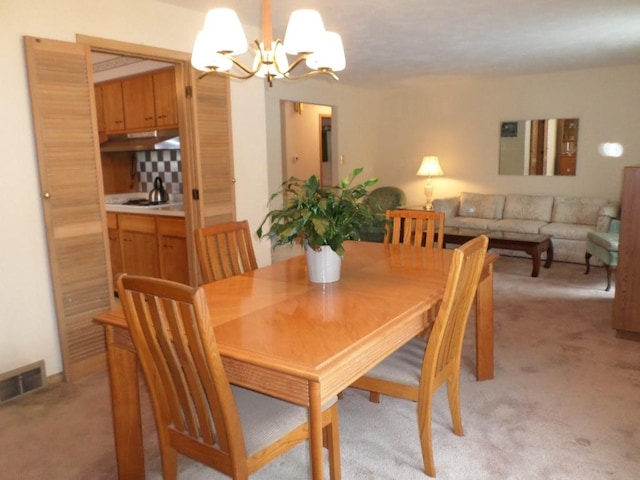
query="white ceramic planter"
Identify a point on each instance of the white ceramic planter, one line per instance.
(323, 266)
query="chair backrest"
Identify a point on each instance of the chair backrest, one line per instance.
(190, 393)
(444, 347)
(225, 250)
(415, 227)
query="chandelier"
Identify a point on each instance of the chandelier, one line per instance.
(222, 39)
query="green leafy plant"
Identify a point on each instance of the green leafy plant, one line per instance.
(319, 215)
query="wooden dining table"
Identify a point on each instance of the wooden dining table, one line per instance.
(306, 342)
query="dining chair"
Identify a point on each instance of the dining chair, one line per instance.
(415, 227)
(198, 413)
(225, 250)
(420, 367)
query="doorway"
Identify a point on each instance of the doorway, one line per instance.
(307, 141)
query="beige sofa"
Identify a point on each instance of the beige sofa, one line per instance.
(567, 220)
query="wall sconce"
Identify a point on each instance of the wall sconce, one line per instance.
(430, 167)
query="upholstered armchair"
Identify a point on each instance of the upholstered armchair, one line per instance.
(380, 200)
(604, 246)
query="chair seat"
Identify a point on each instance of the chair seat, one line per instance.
(266, 419)
(606, 240)
(403, 366)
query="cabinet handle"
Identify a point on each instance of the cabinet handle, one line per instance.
(148, 118)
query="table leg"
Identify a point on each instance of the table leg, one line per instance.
(125, 406)
(535, 255)
(315, 430)
(547, 264)
(484, 326)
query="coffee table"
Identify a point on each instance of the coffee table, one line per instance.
(533, 244)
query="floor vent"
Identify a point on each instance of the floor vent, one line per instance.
(22, 380)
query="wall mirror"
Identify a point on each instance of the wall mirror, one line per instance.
(539, 147)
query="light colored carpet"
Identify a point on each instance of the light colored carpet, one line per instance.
(564, 404)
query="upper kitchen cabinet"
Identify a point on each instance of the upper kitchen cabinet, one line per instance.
(113, 107)
(166, 106)
(138, 103)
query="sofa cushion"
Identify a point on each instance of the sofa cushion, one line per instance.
(528, 207)
(469, 222)
(519, 226)
(479, 205)
(449, 206)
(581, 210)
(571, 231)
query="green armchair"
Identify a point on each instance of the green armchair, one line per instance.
(604, 246)
(380, 200)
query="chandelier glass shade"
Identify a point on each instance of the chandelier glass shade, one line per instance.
(222, 40)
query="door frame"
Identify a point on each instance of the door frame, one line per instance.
(182, 65)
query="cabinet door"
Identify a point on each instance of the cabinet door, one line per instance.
(164, 91)
(102, 127)
(115, 254)
(139, 110)
(113, 107)
(172, 245)
(139, 245)
(68, 158)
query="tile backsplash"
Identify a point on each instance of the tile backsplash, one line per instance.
(165, 164)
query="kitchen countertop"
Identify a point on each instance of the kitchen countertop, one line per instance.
(114, 204)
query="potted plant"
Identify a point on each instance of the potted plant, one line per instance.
(321, 218)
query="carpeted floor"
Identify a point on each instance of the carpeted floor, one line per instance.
(564, 404)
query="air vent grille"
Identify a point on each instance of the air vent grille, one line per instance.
(22, 380)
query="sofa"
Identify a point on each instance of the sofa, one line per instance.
(567, 220)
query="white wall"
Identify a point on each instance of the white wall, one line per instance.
(459, 120)
(28, 329)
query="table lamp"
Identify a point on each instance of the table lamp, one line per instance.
(430, 167)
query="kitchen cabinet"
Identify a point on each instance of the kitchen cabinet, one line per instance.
(138, 243)
(113, 107)
(140, 102)
(102, 127)
(151, 245)
(164, 96)
(626, 303)
(115, 253)
(139, 108)
(172, 249)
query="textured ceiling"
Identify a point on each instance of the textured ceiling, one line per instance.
(404, 39)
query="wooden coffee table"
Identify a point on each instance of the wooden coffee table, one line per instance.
(533, 244)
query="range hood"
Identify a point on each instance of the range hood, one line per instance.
(142, 141)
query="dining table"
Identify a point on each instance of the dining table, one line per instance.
(303, 342)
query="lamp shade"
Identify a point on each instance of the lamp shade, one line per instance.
(204, 58)
(430, 167)
(330, 54)
(305, 32)
(224, 31)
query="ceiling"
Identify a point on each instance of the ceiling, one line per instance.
(401, 40)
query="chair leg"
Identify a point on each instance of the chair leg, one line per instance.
(374, 397)
(609, 271)
(169, 463)
(332, 440)
(426, 442)
(453, 392)
(587, 256)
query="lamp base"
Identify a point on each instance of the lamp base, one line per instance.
(428, 207)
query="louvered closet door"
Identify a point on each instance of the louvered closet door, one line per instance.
(70, 177)
(214, 150)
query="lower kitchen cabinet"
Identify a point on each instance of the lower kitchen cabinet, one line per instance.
(172, 249)
(150, 245)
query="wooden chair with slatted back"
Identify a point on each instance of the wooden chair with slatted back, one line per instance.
(225, 250)
(197, 412)
(420, 367)
(415, 227)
